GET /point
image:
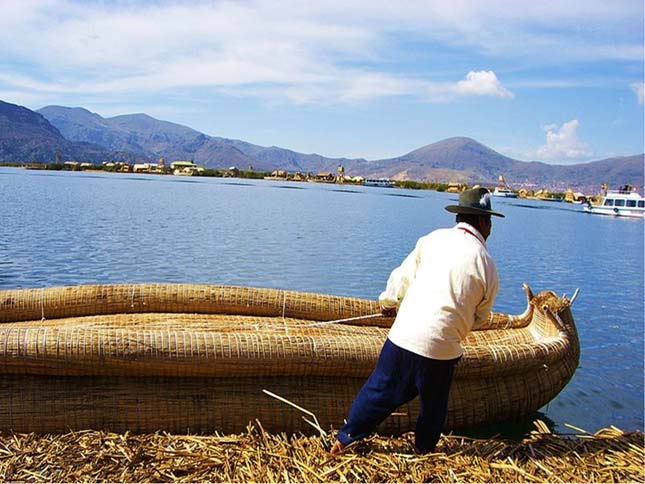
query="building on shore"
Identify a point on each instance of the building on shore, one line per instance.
(278, 175)
(159, 167)
(324, 177)
(454, 187)
(185, 168)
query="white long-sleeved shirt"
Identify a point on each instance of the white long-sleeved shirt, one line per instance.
(443, 289)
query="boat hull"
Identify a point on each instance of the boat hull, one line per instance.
(615, 212)
(184, 358)
(504, 194)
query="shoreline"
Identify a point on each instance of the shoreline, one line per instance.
(439, 186)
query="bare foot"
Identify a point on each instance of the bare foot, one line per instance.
(337, 448)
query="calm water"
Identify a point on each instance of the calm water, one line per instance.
(80, 228)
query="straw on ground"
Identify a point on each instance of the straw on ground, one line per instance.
(610, 455)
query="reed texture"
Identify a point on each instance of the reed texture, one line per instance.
(610, 455)
(197, 358)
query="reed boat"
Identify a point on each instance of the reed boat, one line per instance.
(203, 358)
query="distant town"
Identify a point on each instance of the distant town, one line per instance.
(189, 168)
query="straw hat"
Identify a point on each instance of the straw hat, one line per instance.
(475, 201)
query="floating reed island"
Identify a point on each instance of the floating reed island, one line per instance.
(199, 358)
(609, 455)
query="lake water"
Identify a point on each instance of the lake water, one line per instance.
(68, 228)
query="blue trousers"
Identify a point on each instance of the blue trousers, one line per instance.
(401, 375)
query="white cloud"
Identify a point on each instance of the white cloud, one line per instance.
(482, 83)
(563, 145)
(297, 50)
(639, 89)
(476, 83)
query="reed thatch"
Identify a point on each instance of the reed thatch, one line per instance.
(257, 456)
(196, 358)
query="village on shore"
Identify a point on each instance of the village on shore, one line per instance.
(190, 168)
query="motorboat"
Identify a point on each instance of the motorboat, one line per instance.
(378, 182)
(624, 202)
(504, 192)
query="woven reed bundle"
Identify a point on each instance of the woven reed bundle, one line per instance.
(610, 455)
(187, 357)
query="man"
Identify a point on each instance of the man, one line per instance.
(442, 290)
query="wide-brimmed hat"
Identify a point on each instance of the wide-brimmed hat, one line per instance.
(475, 201)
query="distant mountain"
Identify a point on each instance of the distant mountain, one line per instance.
(137, 133)
(454, 159)
(26, 136)
(153, 138)
(465, 160)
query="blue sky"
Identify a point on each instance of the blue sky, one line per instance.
(555, 81)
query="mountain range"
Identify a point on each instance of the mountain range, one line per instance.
(76, 133)
(27, 136)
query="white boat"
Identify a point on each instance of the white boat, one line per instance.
(378, 182)
(504, 192)
(625, 202)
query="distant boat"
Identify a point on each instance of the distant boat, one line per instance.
(504, 192)
(624, 202)
(378, 182)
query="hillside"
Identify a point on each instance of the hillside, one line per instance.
(465, 160)
(457, 159)
(26, 136)
(153, 138)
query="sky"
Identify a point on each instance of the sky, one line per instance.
(559, 81)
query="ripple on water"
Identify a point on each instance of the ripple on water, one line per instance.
(68, 229)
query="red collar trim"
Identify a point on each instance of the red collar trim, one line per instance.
(471, 233)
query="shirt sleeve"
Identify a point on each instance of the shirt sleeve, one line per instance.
(484, 308)
(400, 280)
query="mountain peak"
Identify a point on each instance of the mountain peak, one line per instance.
(456, 142)
(28, 136)
(55, 107)
(141, 122)
(459, 146)
(458, 158)
(76, 114)
(16, 115)
(141, 116)
(459, 140)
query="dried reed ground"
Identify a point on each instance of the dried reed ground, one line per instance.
(610, 455)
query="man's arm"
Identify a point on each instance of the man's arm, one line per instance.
(400, 280)
(484, 308)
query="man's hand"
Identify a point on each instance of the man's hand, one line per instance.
(337, 448)
(389, 312)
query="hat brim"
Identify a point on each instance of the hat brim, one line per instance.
(472, 210)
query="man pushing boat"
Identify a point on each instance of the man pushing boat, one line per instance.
(442, 290)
